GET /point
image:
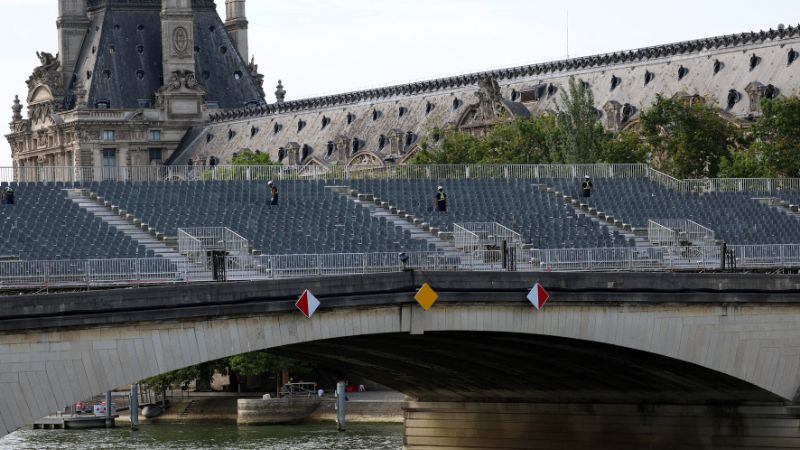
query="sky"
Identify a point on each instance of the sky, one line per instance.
(327, 46)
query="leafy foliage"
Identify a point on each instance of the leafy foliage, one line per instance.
(579, 123)
(456, 148)
(621, 148)
(256, 363)
(686, 139)
(250, 158)
(776, 137)
(248, 364)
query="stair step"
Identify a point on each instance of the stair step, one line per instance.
(108, 215)
(400, 219)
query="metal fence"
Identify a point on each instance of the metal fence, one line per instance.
(218, 239)
(78, 175)
(594, 259)
(476, 235)
(88, 273)
(677, 232)
(766, 256)
(464, 239)
(36, 275)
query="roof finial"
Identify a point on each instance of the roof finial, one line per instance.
(17, 109)
(280, 94)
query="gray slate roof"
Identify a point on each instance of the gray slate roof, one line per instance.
(121, 59)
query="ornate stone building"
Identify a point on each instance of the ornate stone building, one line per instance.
(385, 126)
(142, 82)
(131, 77)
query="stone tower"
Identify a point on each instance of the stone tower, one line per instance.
(177, 36)
(236, 24)
(132, 77)
(72, 23)
(181, 94)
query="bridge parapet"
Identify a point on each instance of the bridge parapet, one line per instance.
(733, 339)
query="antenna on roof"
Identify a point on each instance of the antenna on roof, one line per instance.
(567, 33)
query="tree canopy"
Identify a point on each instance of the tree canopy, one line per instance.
(686, 138)
(250, 158)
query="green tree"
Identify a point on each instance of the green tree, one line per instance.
(624, 147)
(744, 163)
(455, 148)
(776, 137)
(245, 165)
(687, 139)
(249, 158)
(523, 141)
(579, 123)
(257, 363)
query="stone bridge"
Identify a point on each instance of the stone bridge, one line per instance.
(658, 361)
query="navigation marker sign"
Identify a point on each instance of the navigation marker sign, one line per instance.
(307, 304)
(538, 296)
(426, 297)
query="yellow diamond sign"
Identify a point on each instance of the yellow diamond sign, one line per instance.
(426, 297)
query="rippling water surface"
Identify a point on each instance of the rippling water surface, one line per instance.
(202, 437)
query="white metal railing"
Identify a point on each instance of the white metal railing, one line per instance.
(667, 180)
(465, 240)
(588, 259)
(766, 256)
(658, 234)
(473, 235)
(278, 172)
(676, 232)
(78, 175)
(212, 239)
(189, 246)
(136, 272)
(88, 273)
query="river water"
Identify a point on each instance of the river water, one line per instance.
(202, 437)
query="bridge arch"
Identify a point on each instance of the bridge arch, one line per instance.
(695, 344)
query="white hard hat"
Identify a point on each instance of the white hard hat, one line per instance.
(587, 176)
(269, 182)
(441, 188)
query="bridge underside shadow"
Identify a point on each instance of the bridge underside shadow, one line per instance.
(482, 390)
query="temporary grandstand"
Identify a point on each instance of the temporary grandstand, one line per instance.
(89, 227)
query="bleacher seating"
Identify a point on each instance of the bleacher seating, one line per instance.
(309, 219)
(541, 219)
(45, 225)
(735, 217)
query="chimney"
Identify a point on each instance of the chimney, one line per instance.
(72, 24)
(236, 24)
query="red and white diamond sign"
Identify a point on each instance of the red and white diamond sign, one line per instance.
(538, 296)
(307, 304)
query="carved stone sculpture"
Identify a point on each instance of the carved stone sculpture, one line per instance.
(16, 109)
(280, 93)
(257, 77)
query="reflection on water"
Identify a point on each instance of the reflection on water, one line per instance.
(202, 437)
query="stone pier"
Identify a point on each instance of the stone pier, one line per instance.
(506, 426)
